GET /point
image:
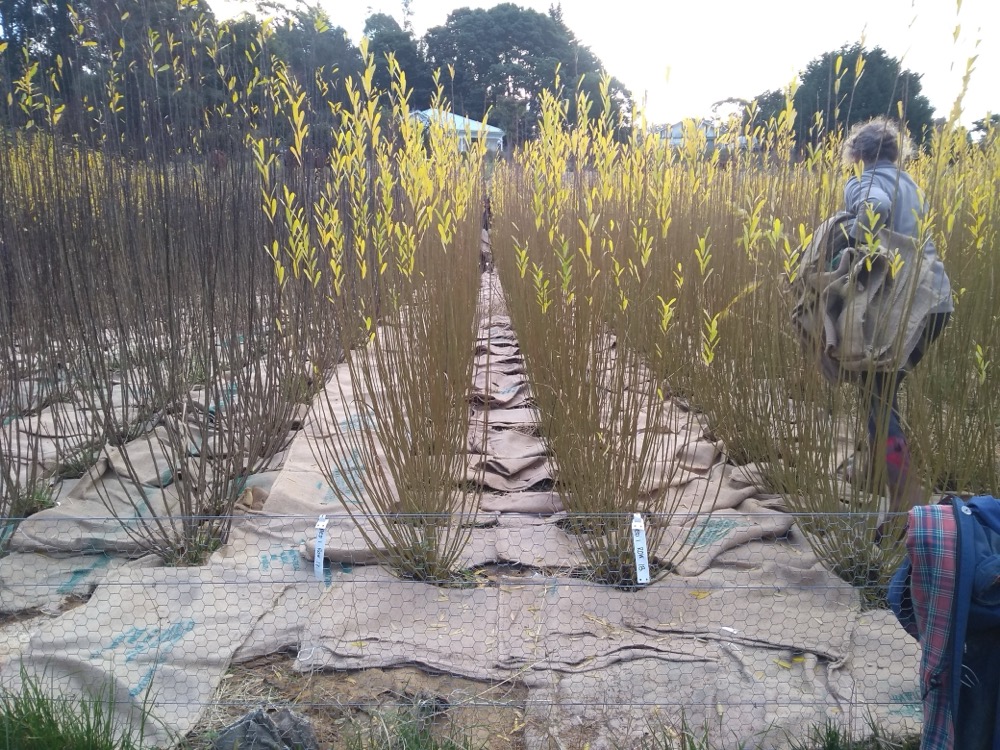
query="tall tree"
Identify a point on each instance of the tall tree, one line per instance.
(985, 131)
(151, 55)
(853, 84)
(387, 37)
(308, 40)
(30, 26)
(504, 57)
(320, 56)
(49, 33)
(767, 106)
(581, 69)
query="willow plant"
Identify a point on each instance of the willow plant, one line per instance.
(33, 373)
(575, 261)
(951, 403)
(764, 398)
(161, 317)
(29, 380)
(392, 243)
(769, 403)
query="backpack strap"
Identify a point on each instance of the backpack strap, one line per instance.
(964, 576)
(996, 729)
(986, 509)
(900, 598)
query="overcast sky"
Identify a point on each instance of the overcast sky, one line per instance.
(683, 56)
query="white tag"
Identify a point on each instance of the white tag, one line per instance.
(320, 548)
(639, 545)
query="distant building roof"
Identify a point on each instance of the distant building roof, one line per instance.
(458, 122)
(674, 134)
(464, 127)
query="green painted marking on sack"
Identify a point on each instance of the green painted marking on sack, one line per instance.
(141, 640)
(282, 558)
(138, 641)
(711, 530)
(140, 512)
(80, 575)
(352, 422)
(907, 703)
(353, 470)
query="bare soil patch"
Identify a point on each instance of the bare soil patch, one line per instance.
(343, 706)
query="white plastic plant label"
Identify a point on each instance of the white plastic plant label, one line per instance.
(639, 546)
(320, 548)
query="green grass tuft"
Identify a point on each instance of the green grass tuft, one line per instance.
(411, 728)
(33, 720)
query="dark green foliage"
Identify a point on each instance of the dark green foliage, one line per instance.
(386, 37)
(822, 106)
(881, 88)
(505, 56)
(169, 69)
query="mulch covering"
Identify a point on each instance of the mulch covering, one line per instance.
(751, 634)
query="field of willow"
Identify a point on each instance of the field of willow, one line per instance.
(202, 285)
(291, 227)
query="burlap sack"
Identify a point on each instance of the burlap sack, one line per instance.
(859, 308)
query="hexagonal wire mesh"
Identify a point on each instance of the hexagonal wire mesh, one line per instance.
(748, 636)
(710, 611)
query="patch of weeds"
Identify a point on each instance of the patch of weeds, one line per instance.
(586, 524)
(868, 578)
(662, 736)
(621, 575)
(131, 431)
(831, 736)
(418, 726)
(31, 499)
(77, 464)
(193, 551)
(827, 736)
(466, 578)
(606, 542)
(33, 720)
(197, 373)
(298, 388)
(430, 569)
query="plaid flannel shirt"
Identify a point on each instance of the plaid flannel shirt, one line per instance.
(932, 544)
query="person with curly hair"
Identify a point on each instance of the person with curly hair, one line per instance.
(880, 194)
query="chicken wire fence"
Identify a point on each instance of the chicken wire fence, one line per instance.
(745, 634)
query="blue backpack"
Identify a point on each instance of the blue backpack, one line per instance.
(977, 596)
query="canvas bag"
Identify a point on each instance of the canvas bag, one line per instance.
(860, 309)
